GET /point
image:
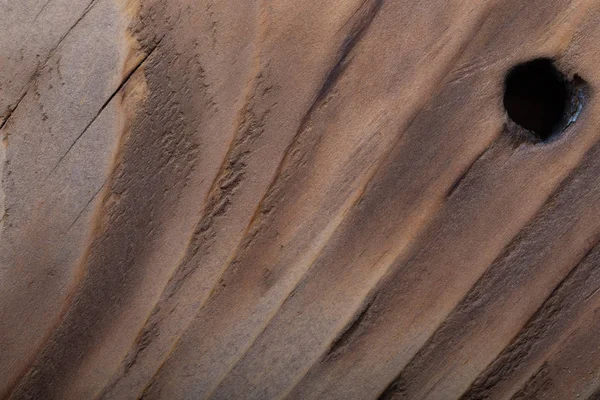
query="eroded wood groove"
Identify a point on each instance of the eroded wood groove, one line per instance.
(503, 274)
(399, 136)
(352, 38)
(542, 325)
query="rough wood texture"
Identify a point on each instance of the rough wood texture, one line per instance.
(294, 199)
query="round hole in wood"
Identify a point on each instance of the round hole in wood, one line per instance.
(536, 98)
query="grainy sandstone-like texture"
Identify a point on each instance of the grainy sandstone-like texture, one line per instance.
(264, 199)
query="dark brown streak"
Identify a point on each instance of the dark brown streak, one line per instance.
(29, 368)
(241, 114)
(331, 79)
(143, 338)
(349, 43)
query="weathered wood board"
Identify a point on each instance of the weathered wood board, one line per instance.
(263, 199)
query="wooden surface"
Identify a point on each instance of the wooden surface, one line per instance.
(294, 199)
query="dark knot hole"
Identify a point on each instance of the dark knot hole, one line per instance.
(539, 98)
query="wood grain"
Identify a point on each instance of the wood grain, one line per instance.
(294, 199)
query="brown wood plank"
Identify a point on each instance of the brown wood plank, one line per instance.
(294, 199)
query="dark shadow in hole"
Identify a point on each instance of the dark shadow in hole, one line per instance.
(540, 99)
